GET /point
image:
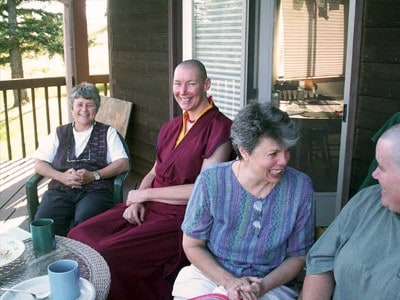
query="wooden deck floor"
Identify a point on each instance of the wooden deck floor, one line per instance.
(13, 175)
(13, 209)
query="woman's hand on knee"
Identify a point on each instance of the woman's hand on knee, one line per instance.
(134, 213)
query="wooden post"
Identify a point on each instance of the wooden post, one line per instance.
(76, 45)
(81, 44)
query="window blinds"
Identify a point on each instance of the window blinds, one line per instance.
(312, 40)
(218, 28)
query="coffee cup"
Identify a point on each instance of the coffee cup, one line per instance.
(43, 238)
(64, 277)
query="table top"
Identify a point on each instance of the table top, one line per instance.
(29, 265)
(318, 109)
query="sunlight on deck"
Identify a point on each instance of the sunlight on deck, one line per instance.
(13, 210)
(12, 223)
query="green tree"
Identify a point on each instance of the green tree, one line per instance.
(27, 30)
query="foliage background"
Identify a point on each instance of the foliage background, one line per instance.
(43, 66)
(39, 66)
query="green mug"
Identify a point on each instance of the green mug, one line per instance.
(43, 238)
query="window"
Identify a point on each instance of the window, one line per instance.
(311, 38)
(220, 42)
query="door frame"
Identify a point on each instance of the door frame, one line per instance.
(328, 204)
(353, 58)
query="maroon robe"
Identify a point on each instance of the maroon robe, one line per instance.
(144, 260)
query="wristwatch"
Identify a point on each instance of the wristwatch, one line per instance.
(96, 175)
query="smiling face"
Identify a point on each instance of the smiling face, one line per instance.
(388, 175)
(190, 89)
(267, 161)
(83, 111)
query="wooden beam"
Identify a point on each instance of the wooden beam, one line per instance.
(174, 48)
(68, 46)
(81, 44)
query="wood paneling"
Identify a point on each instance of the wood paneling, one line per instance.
(140, 63)
(379, 81)
(383, 13)
(381, 44)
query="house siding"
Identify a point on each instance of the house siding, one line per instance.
(140, 72)
(378, 95)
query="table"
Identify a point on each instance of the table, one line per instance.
(315, 109)
(93, 266)
(317, 152)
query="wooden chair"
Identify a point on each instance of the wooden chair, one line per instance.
(114, 112)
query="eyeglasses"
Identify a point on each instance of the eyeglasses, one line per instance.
(77, 160)
(257, 206)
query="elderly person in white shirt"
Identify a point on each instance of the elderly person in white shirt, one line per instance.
(81, 158)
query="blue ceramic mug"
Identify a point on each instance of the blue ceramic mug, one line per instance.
(64, 277)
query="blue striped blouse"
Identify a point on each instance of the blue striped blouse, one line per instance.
(249, 235)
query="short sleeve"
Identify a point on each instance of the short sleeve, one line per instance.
(321, 256)
(302, 238)
(47, 148)
(198, 222)
(220, 133)
(115, 147)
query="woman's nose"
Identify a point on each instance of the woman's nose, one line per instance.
(183, 89)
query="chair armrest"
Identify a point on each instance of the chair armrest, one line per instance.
(31, 194)
(118, 189)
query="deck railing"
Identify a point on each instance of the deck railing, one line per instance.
(24, 123)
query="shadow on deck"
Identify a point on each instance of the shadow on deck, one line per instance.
(13, 203)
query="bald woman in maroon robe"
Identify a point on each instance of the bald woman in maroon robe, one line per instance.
(141, 240)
